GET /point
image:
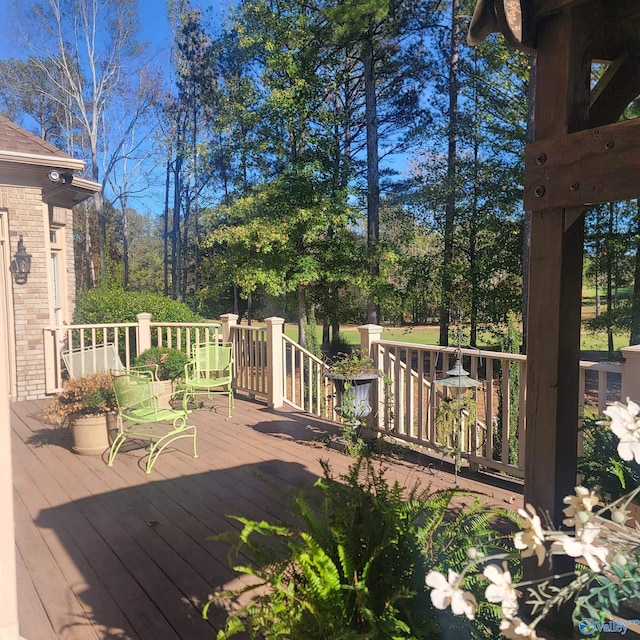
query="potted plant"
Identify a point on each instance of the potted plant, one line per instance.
(353, 375)
(84, 404)
(167, 365)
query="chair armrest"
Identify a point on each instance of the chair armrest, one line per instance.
(152, 369)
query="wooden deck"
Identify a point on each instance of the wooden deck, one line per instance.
(116, 554)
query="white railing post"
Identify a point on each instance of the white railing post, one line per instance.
(631, 374)
(368, 334)
(275, 362)
(144, 332)
(228, 320)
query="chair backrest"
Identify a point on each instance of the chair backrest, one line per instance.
(87, 360)
(212, 358)
(134, 390)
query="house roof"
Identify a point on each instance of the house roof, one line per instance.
(22, 150)
(16, 139)
(18, 146)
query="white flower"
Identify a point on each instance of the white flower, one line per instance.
(625, 424)
(622, 414)
(447, 592)
(582, 547)
(515, 629)
(531, 539)
(501, 590)
(580, 507)
(620, 515)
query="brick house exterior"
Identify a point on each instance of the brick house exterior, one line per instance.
(38, 189)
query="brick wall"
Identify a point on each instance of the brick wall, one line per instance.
(31, 301)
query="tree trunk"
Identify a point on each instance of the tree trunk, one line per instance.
(165, 230)
(176, 238)
(125, 244)
(302, 315)
(373, 176)
(450, 206)
(196, 267)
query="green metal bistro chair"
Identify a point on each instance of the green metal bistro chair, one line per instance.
(210, 372)
(139, 414)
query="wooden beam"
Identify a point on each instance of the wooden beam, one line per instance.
(593, 166)
(619, 85)
(555, 273)
(541, 8)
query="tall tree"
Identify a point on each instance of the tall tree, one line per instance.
(469, 175)
(86, 51)
(24, 91)
(385, 36)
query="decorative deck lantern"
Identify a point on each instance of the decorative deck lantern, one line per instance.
(458, 379)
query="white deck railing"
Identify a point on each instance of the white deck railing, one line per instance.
(271, 366)
(305, 385)
(407, 399)
(130, 339)
(250, 356)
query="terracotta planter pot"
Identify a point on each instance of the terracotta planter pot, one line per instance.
(90, 434)
(163, 390)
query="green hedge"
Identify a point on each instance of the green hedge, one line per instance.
(105, 305)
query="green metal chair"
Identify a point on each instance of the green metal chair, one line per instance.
(139, 414)
(210, 373)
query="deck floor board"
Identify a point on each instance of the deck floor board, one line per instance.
(113, 553)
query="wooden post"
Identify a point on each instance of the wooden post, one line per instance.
(555, 275)
(228, 320)
(555, 285)
(275, 362)
(368, 334)
(144, 332)
(631, 375)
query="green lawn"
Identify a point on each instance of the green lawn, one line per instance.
(429, 334)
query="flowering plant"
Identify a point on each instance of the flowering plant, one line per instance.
(88, 395)
(606, 547)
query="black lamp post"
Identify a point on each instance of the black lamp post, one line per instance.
(21, 263)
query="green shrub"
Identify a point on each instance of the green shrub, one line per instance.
(163, 362)
(354, 562)
(107, 305)
(338, 346)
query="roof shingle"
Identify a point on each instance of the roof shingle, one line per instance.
(16, 139)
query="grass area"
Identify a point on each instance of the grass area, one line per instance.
(429, 334)
(590, 341)
(419, 334)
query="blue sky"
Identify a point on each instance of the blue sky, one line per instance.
(154, 29)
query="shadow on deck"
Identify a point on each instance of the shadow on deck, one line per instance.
(116, 554)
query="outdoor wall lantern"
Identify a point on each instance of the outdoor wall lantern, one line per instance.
(21, 263)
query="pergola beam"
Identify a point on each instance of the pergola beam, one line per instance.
(588, 167)
(543, 8)
(619, 85)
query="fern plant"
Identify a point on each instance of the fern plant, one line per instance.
(352, 564)
(600, 465)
